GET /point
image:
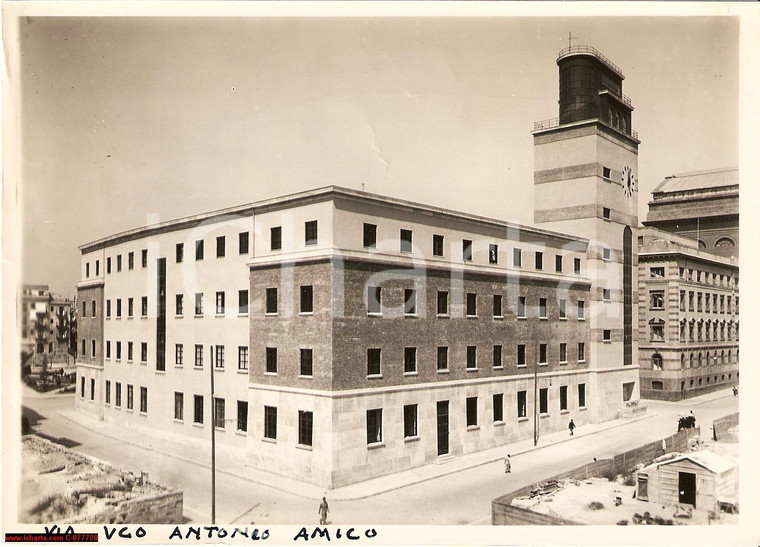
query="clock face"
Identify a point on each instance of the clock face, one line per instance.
(628, 180)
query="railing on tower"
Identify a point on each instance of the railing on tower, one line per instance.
(554, 122)
(589, 50)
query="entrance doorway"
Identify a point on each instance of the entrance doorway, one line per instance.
(687, 488)
(443, 427)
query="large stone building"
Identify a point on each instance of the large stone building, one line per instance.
(349, 335)
(702, 205)
(46, 320)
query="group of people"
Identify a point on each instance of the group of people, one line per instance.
(687, 422)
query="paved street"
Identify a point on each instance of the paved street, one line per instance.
(458, 492)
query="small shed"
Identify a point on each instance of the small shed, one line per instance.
(701, 479)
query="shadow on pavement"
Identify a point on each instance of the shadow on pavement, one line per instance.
(33, 416)
(64, 441)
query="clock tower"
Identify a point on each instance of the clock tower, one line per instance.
(585, 184)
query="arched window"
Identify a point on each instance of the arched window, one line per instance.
(702, 245)
(725, 242)
(699, 359)
(657, 361)
(707, 359)
(691, 360)
(683, 361)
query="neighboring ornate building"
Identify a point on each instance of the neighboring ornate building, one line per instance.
(702, 205)
(350, 335)
(45, 326)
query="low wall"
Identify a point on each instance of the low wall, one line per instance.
(503, 513)
(722, 425)
(155, 509)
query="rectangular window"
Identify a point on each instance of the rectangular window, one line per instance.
(130, 351)
(180, 252)
(118, 350)
(606, 253)
(131, 260)
(220, 246)
(437, 245)
(118, 263)
(108, 392)
(307, 299)
(370, 236)
(472, 304)
(606, 213)
(306, 362)
(118, 394)
(108, 349)
(118, 307)
(242, 357)
(92, 349)
(493, 253)
(558, 263)
(242, 415)
(410, 302)
(97, 267)
(442, 307)
(198, 409)
(472, 411)
(522, 400)
(199, 303)
(144, 258)
(219, 357)
(199, 250)
(406, 241)
(562, 308)
(563, 397)
(108, 265)
(607, 335)
(178, 354)
(606, 173)
(373, 362)
(656, 300)
(410, 360)
(498, 407)
(305, 427)
(243, 302)
(219, 412)
(198, 355)
(310, 229)
(374, 300)
(542, 358)
(243, 243)
(179, 304)
(375, 426)
(143, 352)
(92, 389)
(108, 308)
(130, 397)
(542, 308)
(143, 399)
(179, 406)
(657, 272)
(581, 309)
(543, 400)
(275, 238)
(130, 307)
(84, 348)
(410, 421)
(443, 358)
(562, 352)
(582, 395)
(271, 300)
(271, 360)
(497, 312)
(144, 306)
(94, 309)
(472, 357)
(521, 355)
(517, 257)
(87, 270)
(539, 260)
(466, 250)
(577, 266)
(220, 303)
(606, 295)
(497, 356)
(270, 422)
(521, 307)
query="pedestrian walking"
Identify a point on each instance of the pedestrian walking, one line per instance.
(571, 426)
(735, 390)
(507, 464)
(323, 510)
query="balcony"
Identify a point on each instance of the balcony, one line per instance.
(554, 122)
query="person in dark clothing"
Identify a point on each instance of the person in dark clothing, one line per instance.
(571, 426)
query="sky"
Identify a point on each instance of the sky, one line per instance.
(126, 118)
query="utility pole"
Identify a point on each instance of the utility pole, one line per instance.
(213, 447)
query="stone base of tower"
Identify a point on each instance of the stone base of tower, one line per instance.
(615, 393)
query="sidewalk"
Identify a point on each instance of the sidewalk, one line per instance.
(230, 463)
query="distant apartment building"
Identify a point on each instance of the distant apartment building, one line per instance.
(350, 335)
(45, 325)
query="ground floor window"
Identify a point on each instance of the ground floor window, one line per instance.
(498, 407)
(472, 411)
(410, 421)
(375, 426)
(582, 395)
(305, 427)
(543, 400)
(198, 409)
(522, 398)
(242, 415)
(130, 396)
(118, 394)
(270, 422)
(179, 406)
(108, 392)
(143, 399)
(563, 397)
(219, 412)
(657, 385)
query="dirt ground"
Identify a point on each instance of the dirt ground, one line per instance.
(56, 485)
(572, 500)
